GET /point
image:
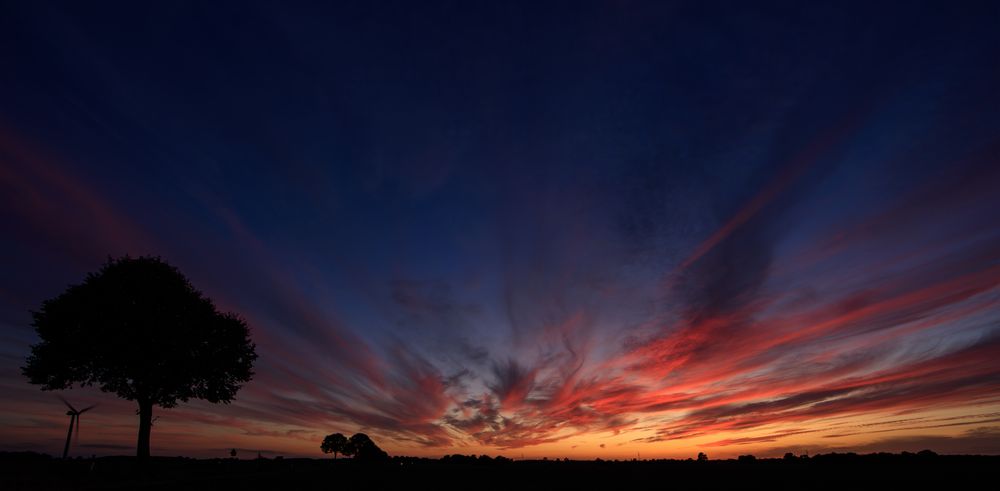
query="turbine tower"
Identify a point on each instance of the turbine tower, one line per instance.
(74, 419)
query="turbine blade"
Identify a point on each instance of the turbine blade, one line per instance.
(88, 408)
(70, 406)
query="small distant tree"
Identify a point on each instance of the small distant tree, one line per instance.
(790, 456)
(702, 457)
(335, 443)
(138, 328)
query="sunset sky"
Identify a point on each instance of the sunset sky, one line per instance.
(539, 229)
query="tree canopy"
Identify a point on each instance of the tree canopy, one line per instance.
(139, 329)
(359, 446)
(335, 443)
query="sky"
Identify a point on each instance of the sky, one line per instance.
(534, 229)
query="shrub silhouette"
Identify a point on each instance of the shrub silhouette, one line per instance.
(138, 328)
(364, 449)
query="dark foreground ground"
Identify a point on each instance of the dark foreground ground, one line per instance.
(831, 471)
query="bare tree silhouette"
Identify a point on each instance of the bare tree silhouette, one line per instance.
(138, 328)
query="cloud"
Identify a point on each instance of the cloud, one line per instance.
(796, 278)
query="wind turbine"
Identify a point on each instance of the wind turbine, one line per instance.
(74, 418)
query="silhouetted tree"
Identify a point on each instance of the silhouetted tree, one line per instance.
(747, 459)
(702, 457)
(363, 448)
(790, 456)
(138, 328)
(335, 443)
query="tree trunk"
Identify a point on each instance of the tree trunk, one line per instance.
(145, 424)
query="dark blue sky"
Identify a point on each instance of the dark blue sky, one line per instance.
(525, 225)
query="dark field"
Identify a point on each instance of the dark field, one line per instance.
(831, 471)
